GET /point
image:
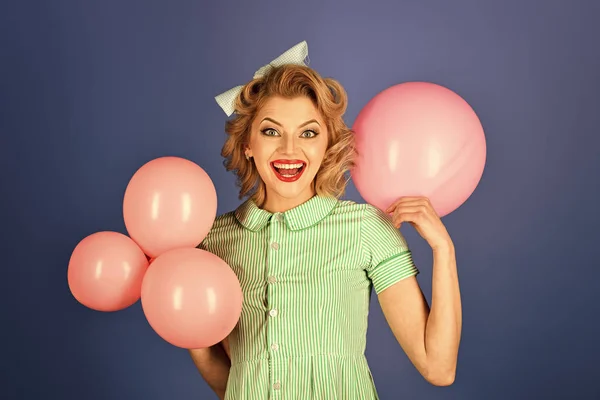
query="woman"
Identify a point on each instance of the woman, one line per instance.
(307, 261)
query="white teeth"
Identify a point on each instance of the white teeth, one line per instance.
(287, 166)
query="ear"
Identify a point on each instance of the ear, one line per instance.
(247, 152)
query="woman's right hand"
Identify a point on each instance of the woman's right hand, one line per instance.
(213, 363)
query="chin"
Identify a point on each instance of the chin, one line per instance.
(289, 191)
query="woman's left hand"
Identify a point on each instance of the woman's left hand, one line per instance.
(419, 212)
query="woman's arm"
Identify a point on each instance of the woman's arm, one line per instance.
(214, 364)
(429, 337)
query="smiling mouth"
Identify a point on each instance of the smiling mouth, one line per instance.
(288, 170)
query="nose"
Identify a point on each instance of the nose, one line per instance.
(288, 145)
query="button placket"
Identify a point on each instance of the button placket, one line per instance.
(274, 258)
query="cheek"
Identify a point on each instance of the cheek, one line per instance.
(316, 153)
(261, 150)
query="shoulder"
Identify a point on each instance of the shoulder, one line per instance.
(374, 224)
(349, 207)
(363, 217)
(226, 222)
(364, 211)
(225, 219)
(222, 225)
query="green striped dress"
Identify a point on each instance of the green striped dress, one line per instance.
(306, 276)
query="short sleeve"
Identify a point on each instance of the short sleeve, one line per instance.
(388, 257)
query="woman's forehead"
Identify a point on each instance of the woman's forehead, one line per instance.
(294, 110)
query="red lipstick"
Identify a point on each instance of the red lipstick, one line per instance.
(288, 170)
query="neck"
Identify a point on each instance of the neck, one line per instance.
(277, 204)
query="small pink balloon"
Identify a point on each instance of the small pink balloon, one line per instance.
(106, 270)
(418, 139)
(191, 298)
(169, 203)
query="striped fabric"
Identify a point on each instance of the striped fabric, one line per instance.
(306, 277)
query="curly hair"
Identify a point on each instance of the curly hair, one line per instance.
(290, 81)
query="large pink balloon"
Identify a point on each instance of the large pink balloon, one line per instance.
(169, 203)
(106, 270)
(191, 298)
(418, 139)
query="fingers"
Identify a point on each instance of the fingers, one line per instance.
(412, 218)
(409, 200)
(410, 208)
(416, 211)
(417, 215)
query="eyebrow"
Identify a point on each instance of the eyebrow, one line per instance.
(301, 125)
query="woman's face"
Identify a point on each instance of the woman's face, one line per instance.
(288, 142)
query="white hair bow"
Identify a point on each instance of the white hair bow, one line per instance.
(296, 55)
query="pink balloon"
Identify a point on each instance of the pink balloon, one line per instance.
(106, 270)
(418, 139)
(191, 298)
(170, 202)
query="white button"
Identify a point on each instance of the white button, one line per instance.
(275, 346)
(273, 313)
(275, 245)
(272, 279)
(280, 217)
(277, 386)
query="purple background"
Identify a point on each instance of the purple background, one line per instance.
(91, 90)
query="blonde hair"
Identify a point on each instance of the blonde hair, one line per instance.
(289, 81)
